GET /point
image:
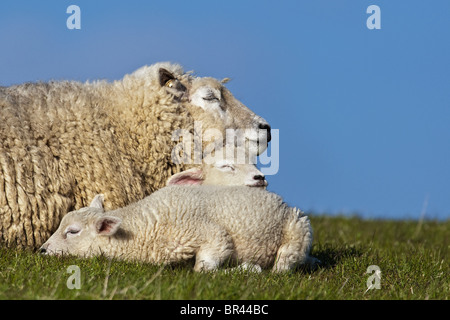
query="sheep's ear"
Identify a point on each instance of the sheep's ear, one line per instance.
(165, 76)
(97, 202)
(171, 84)
(107, 226)
(192, 176)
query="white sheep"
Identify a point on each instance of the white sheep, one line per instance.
(61, 143)
(221, 168)
(213, 224)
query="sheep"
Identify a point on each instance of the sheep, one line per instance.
(221, 168)
(215, 225)
(62, 142)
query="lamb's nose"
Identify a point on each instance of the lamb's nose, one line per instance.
(42, 250)
(266, 126)
(261, 180)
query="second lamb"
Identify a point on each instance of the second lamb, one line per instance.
(215, 225)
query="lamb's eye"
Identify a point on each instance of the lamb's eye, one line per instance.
(71, 231)
(227, 167)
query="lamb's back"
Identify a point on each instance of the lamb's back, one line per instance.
(254, 217)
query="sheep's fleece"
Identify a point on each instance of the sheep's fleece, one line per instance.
(214, 224)
(63, 142)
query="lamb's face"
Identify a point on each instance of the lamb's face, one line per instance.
(79, 232)
(225, 172)
(210, 95)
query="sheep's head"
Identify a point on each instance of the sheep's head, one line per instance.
(79, 231)
(212, 96)
(208, 101)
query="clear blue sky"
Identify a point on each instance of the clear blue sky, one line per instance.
(363, 115)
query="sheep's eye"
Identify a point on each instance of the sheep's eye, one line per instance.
(210, 97)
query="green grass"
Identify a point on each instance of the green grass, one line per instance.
(412, 257)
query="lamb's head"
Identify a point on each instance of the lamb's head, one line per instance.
(225, 170)
(80, 232)
(212, 96)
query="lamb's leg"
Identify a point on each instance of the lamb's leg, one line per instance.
(248, 267)
(216, 249)
(296, 245)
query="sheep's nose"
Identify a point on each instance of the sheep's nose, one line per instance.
(42, 250)
(258, 177)
(266, 126)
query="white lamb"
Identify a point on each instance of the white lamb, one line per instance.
(213, 224)
(222, 169)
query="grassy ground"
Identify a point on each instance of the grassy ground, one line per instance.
(412, 257)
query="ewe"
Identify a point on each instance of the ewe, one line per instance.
(61, 143)
(215, 225)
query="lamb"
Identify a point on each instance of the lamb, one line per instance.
(221, 168)
(214, 225)
(61, 143)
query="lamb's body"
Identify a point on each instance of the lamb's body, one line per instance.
(211, 223)
(61, 143)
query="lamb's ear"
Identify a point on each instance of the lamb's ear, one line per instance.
(192, 176)
(97, 202)
(165, 76)
(107, 225)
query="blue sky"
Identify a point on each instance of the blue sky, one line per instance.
(363, 115)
